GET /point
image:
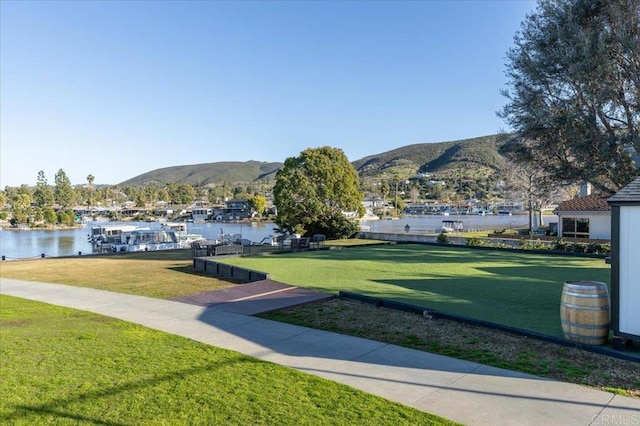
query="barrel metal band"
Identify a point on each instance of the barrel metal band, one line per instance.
(596, 340)
(595, 296)
(586, 326)
(585, 308)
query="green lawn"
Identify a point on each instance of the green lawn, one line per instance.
(517, 289)
(160, 274)
(62, 366)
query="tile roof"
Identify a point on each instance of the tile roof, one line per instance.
(591, 203)
(630, 193)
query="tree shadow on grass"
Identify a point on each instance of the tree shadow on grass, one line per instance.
(56, 407)
(526, 297)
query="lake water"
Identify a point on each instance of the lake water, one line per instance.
(32, 244)
(432, 223)
(70, 242)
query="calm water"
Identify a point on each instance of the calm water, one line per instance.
(70, 242)
(429, 224)
(32, 244)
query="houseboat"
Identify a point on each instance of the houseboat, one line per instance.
(143, 240)
(150, 240)
(131, 238)
(451, 226)
(184, 237)
(108, 234)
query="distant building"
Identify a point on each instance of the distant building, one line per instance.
(237, 209)
(200, 214)
(585, 217)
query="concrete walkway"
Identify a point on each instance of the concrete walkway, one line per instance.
(462, 391)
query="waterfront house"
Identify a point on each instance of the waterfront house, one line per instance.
(237, 209)
(585, 217)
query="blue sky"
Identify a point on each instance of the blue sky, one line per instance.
(119, 88)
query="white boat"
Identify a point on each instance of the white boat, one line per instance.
(184, 237)
(131, 238)
(451, 226)
(151, 240)
(108, 234)
(148, 240)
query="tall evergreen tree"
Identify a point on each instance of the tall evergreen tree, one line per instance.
(63, 193)
(574, 90)
(43, 194)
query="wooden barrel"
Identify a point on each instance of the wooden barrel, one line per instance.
(585, 312)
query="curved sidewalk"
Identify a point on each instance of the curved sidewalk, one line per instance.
(462, 391)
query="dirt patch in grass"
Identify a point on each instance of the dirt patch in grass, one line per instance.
(474, 343)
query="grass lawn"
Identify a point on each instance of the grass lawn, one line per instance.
(63, 366)
(517, 289)
(157, 274)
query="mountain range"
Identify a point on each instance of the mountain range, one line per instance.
(479, 156)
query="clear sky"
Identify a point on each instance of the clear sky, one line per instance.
(119, 88)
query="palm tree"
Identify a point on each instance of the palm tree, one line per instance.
(90, 180)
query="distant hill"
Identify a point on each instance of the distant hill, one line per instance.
(208, 173)
(481, 155)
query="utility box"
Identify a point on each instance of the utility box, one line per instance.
(625, 261)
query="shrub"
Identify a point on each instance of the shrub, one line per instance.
(598, 248)
(579, 248)
(443, 238)
(50, 215)
(473, 241)
(561, 245)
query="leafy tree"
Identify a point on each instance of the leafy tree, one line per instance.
(173, 192)
(49, 215)
(314, 189)
(259, 204)
(21, 208)
(163, 195)
(399, 204)
(66, 217)
(201, 193)
(63, 193)
(140, 199)
(43, 194)
(150, 192)
(574, 90)
(186, 194)
(129, 192)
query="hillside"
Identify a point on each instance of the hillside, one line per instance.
(479, 155)
(471, 157)
(208, 173)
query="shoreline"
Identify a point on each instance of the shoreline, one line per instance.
(39, 228)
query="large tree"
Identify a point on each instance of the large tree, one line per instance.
(314, 190)
(259, 204)
(64, 194)
(574, 90)
(533, 187)
(43, 194)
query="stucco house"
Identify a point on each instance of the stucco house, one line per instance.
(585, 217)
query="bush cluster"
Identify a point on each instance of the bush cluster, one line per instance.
(560, 245)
